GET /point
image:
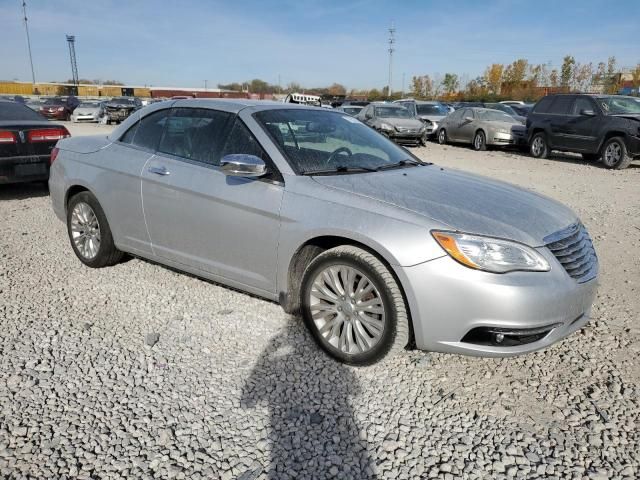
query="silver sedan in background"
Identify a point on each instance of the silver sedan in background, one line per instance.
(376, 249)
(88, 111)
(479, 127)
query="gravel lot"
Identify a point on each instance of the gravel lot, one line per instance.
(137, 371)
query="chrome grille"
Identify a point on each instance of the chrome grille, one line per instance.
(573, 248)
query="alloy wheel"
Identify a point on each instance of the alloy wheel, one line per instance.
(537, 147)
(477, 141)
(347, 309)
(613, 154)
(85, 230)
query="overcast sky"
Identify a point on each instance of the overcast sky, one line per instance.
(314, 42)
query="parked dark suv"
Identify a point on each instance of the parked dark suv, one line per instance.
(597, 126)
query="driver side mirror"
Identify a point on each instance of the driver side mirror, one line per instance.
(242, 165)
(468, 119)
(587, 112)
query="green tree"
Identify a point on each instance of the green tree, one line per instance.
(566, 71)
(450, 83)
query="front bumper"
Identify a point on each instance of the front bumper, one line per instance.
(431, 128)
(57, 115)
(633, 146)
(24, 169)
(404, 137)
(84, 118)
(497, 138)
(447, 301)
(118, 115)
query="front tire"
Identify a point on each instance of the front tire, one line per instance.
(89, 232)
(442, 137)
(539, 146)
(353, 306)
(615, 155)
(479, 141)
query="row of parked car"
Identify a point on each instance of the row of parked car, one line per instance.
(600, 127)
(71, 108)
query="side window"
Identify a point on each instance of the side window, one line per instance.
(467, 112)
(147, 132)
(562, 105)
(582, 103)
(196, 133)
(241, 140)
(543, 105)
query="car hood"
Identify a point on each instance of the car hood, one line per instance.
(118, 105)
(461, 201)
(401, 122)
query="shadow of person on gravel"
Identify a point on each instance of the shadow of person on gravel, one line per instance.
(313, 432)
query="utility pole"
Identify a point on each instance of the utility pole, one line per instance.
(71, 40)
(392, 42)
(26, 29)
(403, 76)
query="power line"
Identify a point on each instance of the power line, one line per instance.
(392, 42)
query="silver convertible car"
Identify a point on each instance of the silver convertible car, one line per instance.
(376, 249)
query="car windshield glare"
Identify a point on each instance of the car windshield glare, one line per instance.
(495, 116)
(324, 141)
(88, 105)
(392, 112)
(616, 105)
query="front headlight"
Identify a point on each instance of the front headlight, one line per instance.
(502, 130)
(490, 254)
(386, 126)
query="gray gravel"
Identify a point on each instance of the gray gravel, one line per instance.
(137, 371)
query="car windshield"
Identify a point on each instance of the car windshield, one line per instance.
(494, 116)
(392, 112)
(89, 105)
(502, 107)
(54, 101)
(122, 100)
(324, 142)
(17, 111)
(620, 105)
(431, 109)
(352, 110)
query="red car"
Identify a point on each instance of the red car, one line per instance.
(27, 142)
(59, 108)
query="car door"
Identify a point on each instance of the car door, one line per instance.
(582, 127)
(466, 126)
(451, 124)
(123, 162)
(559, 117)
(199, 217)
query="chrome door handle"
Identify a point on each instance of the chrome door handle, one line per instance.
(159, 170)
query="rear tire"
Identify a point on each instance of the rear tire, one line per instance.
(615, 155)
(539, 146)
(479, 141)
(89, 232)
(353, 306)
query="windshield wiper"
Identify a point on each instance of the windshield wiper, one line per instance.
(339, 169)
(402, 163)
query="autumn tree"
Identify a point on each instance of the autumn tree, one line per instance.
(493, 77)
(421, 87)
(554, 78)
(337, 89)
(635, 74)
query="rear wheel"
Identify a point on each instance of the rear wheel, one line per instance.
(615, 155)
(442, 136)
(479, 141)
(353, 306)
(539, 146)
(89, 232)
